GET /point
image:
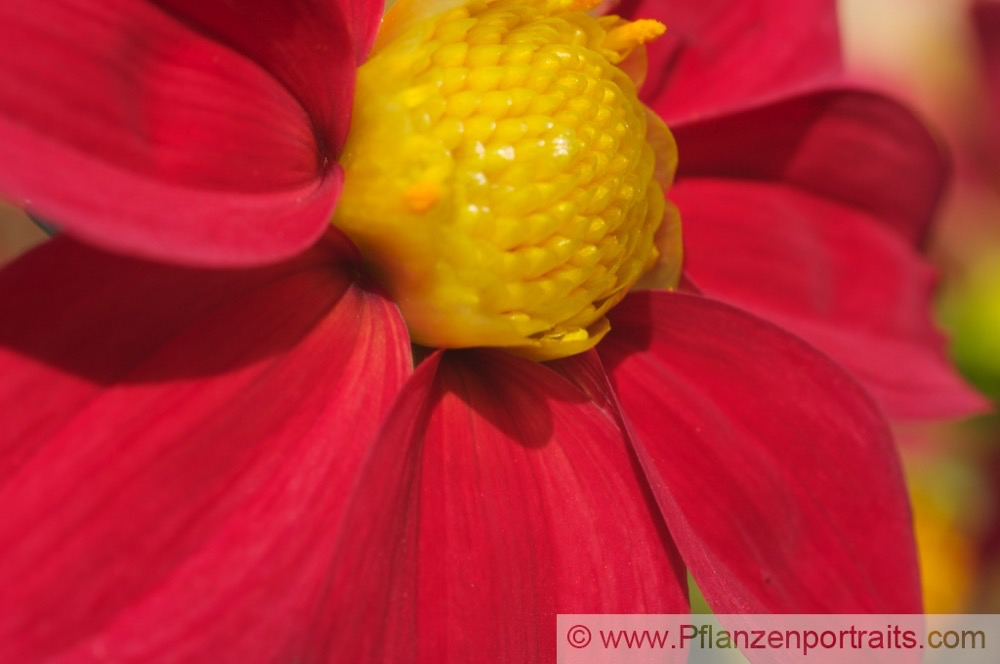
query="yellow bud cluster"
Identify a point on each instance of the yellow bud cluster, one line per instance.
(498, 174)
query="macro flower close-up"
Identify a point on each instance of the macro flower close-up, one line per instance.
(389, 336)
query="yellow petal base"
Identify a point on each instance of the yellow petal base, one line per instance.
(498, 174)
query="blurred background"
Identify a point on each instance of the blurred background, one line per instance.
(943, 58)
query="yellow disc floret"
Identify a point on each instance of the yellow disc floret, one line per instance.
(498, 174)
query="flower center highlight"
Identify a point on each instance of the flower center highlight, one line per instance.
(501, 179)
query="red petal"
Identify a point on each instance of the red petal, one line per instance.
(200, 433)
(498, 495)
(848, 145)
(776, 475)
(831, 274)
(364, 18)
(307, 45)
(719, 55)
(201, 132)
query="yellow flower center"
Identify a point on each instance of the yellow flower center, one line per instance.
(500, 178)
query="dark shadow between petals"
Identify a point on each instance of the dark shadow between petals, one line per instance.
(512, 393)
(112, 319)
(635, 336)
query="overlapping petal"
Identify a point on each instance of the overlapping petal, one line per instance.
(832, 275)
(783, 220)
(310, 46)
(200, 132)
(175, 487)
(497, 496)
(848, 145)
(721, 55)
(776, 475)
(364, 17)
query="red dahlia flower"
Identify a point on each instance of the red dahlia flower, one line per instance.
(204, 463)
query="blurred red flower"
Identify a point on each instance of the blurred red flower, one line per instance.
(205, 463)
(986, 23)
